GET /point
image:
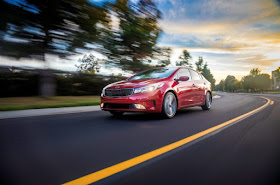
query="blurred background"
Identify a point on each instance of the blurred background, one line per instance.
(56, 53)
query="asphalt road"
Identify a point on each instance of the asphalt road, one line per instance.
(56, 149)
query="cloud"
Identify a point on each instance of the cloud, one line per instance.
(231, 35)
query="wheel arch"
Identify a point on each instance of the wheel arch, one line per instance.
(210, 94)
(172, 91)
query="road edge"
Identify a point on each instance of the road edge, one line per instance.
(47, 111)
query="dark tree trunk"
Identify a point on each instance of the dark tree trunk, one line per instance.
(47, 83)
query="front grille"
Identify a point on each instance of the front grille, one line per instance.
(118, 92)
(118, 106)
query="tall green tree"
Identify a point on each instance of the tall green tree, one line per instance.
(248, 82)
(237, 85)
(35, 28)
(263, 81)
(203, 68)
(130, 38)
(208, 75)
(184, 59)
(230, 82)
(199, 64)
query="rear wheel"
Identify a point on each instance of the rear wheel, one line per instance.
(169, 106)
(116, 113)
(208, 102)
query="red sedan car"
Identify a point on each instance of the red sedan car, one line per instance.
(160, 90)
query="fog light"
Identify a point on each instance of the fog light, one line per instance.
(139, 106)
(101, 105)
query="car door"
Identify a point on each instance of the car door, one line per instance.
(198, 87)
(184, 89)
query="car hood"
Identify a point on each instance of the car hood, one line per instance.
(132, 83)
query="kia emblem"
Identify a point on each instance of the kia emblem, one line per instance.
(117, 87)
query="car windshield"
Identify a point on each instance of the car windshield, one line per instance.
(154, 73)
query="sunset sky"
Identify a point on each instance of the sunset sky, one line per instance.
(232, 36)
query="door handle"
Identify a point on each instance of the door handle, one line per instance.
(193, 85)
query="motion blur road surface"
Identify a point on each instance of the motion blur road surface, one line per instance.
(56, 149)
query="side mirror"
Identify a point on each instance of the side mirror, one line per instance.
(183, 78)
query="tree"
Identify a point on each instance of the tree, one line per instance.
(199, 64)
(230, 83)
(133, 40)
(208, 75)
(202, 67)
(162, 56)
(220, 86)
(237, 85)
(88, 64)
(256, 80)
(254, 72)
(248, 83)
(34, 28)
(184, 59)
(263, 81)
(277, 74)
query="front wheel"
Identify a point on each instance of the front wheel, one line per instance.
(208, 102)
(116, 113)
(169, 106)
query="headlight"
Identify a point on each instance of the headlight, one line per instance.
(148, 88)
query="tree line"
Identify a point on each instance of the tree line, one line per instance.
(23, 82)
(125, 32)
(254, 81)
(90, 64)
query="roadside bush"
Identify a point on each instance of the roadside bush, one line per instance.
(27, 84)
(19, 84)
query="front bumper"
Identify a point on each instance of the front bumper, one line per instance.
(142, 102)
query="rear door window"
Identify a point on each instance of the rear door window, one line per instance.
(201, 77)
(195, 75)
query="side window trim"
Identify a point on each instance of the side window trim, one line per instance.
(191, 78)
(191, 73)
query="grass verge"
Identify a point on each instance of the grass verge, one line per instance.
(23, 103)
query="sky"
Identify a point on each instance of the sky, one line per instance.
(233, 36)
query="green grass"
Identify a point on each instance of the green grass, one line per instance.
(23, 103)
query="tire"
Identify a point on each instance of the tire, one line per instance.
(116, 113)
(208, 102)
(169, 105)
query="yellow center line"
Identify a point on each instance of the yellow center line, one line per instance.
(101, 174)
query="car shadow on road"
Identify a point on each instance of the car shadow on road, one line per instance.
(139, 116)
